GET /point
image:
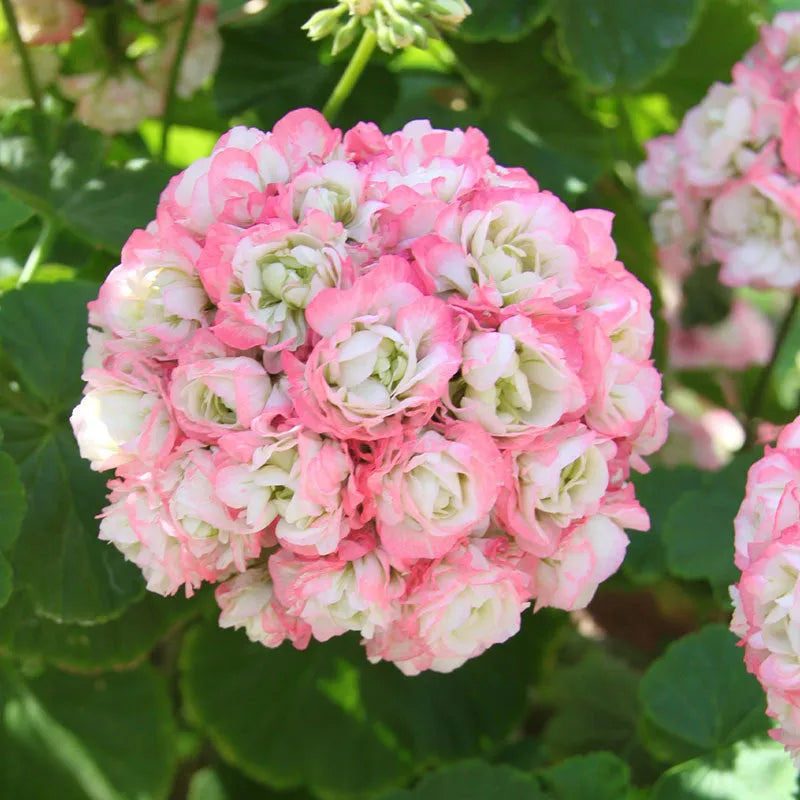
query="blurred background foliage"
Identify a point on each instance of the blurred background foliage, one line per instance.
(108, 693)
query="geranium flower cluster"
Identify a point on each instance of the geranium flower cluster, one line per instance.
(727, 185)
(371, 383)
(116, 96)
(767, 598)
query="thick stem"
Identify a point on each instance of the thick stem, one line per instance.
(22, 53)
(174, 73)
(757, 397)
(350, 76)
(39, 253)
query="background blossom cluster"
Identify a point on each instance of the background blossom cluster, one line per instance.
(371, 383)
(116, 93)
(729, 199)
(766, 599)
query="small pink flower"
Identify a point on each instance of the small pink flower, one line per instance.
(454, 609)
(586, 556)
(386, 355)
(433, 489)
(335, 595)
(213, 396)
(247, 600)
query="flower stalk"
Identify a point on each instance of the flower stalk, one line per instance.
(174, 74)
(760, 390)
(350, 76)
(24, 58)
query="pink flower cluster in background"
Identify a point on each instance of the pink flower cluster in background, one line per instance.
(728, 192)
(114, 97)
(767, 598)
(371, 383)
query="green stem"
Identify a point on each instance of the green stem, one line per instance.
(39, 253)
(22, 52)
(350, 76)
(174, 73)
(760, 390)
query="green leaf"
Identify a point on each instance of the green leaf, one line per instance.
(698, 529)
(272, 67)
(620, 44)
(707, 56)
(473, 780)
(12, 501)
(119, 643)
(599, 776)
(755, 769)
(700, 696)
(43, 333)
(113, 735)
(305, 724)
(12, 213)
(56, 168)
(445, 717)
(707, 301)
(348, 727)
(506, 20)
(595, 707)
(532, 116)
(645, 559)
(71, 575)
(223, 783)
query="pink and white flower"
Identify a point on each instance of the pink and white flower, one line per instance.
(454, 609)
(334, 595)
(386, 354)
(216, 395)
(433, 490)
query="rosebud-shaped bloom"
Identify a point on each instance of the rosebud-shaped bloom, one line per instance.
(505, 251)
(212, 538)
(755, 233)
(47, 21)
(123, 416)
(771, 497)
(628, 392)
(213, 396)
(154, 299)
(298, 476)
(519, 379)
(333, 595)
(247, 600)
(137, 524)
(263, 279)
(767, 597)
(13, 87)
(456, 609)
(112, 103)
(434, 489)
(561, 477)
(621, 304)
(337, 190)
(385, 359)
(590, 553)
